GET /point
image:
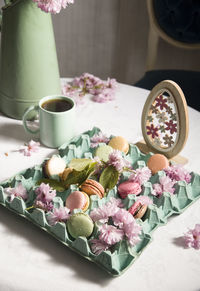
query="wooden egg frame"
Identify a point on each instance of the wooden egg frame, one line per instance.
(182, 121)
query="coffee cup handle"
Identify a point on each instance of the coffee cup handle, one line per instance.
(25, 117)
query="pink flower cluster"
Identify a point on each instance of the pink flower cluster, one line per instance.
(174, 173)
(58, 215)
(98, 138)
(192, 237)
(178, 173)
(144, 200)
(18, 191)
(117, 161)
(165, 185)
(45, 195)
(141, 175)
(53, 6)
(123, 226)
(102, 91)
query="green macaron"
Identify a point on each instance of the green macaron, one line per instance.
(103, 152)
(80, 224)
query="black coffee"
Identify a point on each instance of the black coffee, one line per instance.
(57, 105)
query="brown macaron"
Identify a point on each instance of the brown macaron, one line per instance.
(92, 187)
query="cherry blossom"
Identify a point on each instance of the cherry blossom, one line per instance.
(116, 223)
(53, 6)
(98, 246)
(98, 138)
(141, 175)
(178, 173)
(192, 237)
(58, 215)
(18, 191)
(31, 147)
(165, 185)
(117, 161)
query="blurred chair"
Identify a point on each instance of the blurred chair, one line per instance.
(178, 23)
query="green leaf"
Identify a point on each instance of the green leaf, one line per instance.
(80, 164)
(78, 177)
(109, 178)
(56, 185)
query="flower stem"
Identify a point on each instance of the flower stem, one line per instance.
(31, 207)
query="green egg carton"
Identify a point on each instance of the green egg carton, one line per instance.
(120, 256)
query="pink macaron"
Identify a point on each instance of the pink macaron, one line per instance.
(77, 200)
(138, 209)
(129, 187)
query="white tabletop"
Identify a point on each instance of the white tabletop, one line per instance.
(32, 260)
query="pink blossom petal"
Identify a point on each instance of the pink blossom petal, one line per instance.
(98, 138)
(122, 217)
(45, 193)
(99, 214)
(53, 6)
(166, 185)
(132, 231)
(141, 175)
(110, 234)
(46, 206)
(178, 173)
(18, 191)
(116, 160)
(98, 246)
(192, 237)
(58, 215)
(145, 200)
(31, 147)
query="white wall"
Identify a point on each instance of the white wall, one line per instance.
(109, 38)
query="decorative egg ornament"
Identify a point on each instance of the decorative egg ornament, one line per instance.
(165, 119)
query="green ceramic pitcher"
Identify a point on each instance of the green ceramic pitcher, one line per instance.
(28, 60)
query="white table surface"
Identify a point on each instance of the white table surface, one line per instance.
(30, 259)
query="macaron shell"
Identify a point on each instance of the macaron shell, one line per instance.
(80, 224)
(103, 152)
(119, 143)
(54, 166)
(129, 187)
(77, 200)
(157, 162)
(87, 203)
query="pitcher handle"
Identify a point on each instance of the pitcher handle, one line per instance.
(25, 117)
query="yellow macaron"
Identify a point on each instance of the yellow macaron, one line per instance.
(119, 143)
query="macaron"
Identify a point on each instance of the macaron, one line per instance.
(119, 143)
(77, 200)
(129, 187)
(138, 209)
(92, 187)
(157, 162)
(54, 166)
(80, 224)
(103, 152)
